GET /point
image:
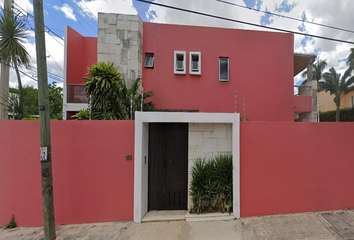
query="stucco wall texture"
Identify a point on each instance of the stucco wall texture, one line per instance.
(326, 102)
(81, 53)
(295, 167)
(281, 171)
(261, 65)
(93, 181)
(261, 70)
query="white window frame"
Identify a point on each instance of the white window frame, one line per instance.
(352, 101)
(199, 70)
(153, 59)
(175, 62)
(228, 70)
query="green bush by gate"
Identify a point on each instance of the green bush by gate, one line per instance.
(211, 186)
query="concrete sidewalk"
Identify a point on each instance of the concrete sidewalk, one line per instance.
(303, 226)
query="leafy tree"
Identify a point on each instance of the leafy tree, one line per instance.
(338, 86)
(29, 96)
(110, 96)
(55, 101)
(13, 33)
(317, 70)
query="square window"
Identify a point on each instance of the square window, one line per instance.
(195, 63)
(179, 62)
(223, 69)
(149, 60)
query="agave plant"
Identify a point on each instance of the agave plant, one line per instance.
(211, 185)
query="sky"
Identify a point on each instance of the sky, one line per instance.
(82, 16)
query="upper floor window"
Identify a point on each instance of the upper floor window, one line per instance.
(195, 63)
(149, 60)
(180, 62)
(223, 69)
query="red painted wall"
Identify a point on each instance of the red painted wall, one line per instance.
(286, 167)
(92, 180)
(81, 53)
(261, 70)
(296, 167)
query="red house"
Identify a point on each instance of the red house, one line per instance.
(193, 68)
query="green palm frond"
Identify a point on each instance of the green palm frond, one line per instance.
(111, 98)
(317, 70)
(13, 33)
(338, 85)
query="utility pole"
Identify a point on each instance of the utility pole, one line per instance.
(44, 122)
(5, 78)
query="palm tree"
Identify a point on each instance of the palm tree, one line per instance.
(13, 33)
(351, 58)
(110, 96)
(317, 70)
(338, 86)
(133, 95)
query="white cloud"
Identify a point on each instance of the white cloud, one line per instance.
(24, 4)
(67, 10)
(91, 8)
(164, 15)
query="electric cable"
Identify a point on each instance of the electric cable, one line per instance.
(243, 22)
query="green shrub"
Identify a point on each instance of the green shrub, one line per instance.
(12, 223)
(211, 185)
(29, 119)
(83, 114)
(346, 115)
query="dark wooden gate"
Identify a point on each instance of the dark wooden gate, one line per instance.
(168, 166)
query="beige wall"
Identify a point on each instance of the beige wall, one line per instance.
(326, 102)
(345, 102)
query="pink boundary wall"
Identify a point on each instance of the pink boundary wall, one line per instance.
(289, 167)
(286, 167)
(92, 180)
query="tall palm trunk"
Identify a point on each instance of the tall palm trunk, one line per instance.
(22, 102)
(337, 113)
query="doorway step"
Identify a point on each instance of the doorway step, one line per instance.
(209, 217)
(157, 216)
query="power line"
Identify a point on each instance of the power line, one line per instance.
(81, 19)
(28, 14)
(32, 28)
(83, 2)
(283, 16)
(243, 22)
(55, 61)
(50, 74)
(31, 77)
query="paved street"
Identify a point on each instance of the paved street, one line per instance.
(305, 226)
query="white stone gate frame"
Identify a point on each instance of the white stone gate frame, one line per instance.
(142, 120)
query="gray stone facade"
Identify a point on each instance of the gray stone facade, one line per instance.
(120, 41)
(207, 140)
(309, 89)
